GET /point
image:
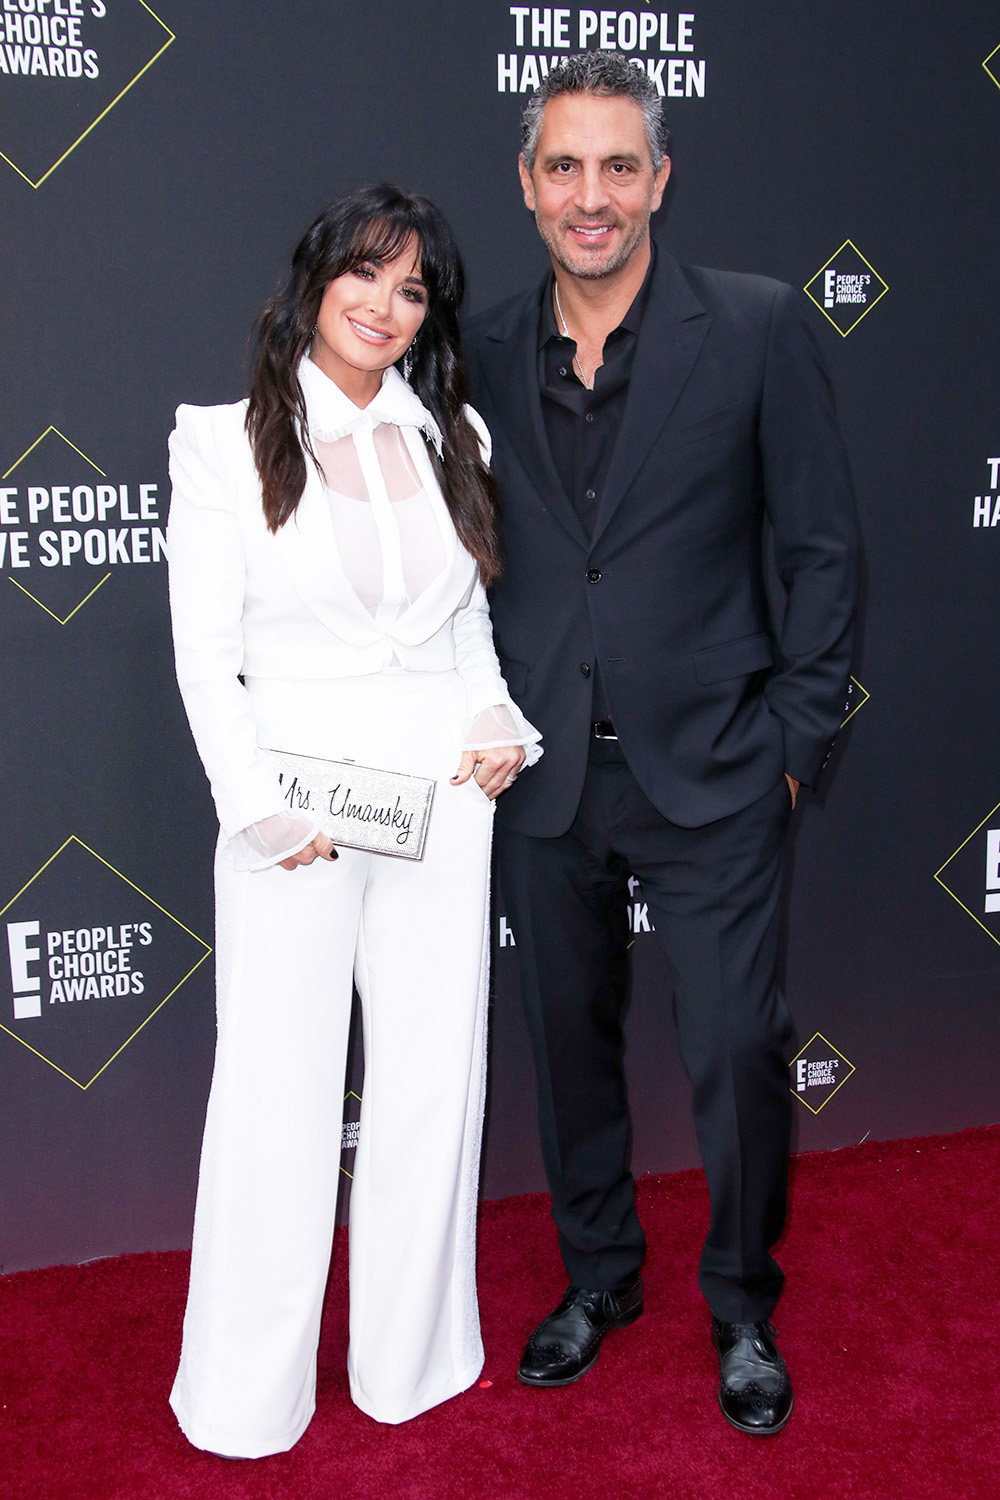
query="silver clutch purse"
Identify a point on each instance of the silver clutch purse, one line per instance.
(386, 812)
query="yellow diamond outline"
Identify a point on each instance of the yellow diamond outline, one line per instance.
(351, 1094)
(864, 700)
(951, 893)
(52, 857)
(990, 73)
(58, 618)
(40, 439)
(10, 577)
(826, 1041)
(885, 287)
(106, 111)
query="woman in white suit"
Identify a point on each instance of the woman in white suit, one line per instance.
(329, 543)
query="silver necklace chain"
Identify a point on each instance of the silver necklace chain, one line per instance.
(576, 358)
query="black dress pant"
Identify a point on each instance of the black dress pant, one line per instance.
(713, 896)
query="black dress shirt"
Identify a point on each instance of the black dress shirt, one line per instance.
(581, 424)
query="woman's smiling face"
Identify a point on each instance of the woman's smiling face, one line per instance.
(367, 320)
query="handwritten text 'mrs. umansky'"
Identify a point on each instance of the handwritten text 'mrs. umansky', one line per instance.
(340, 805)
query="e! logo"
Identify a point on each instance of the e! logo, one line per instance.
(992, 869)
(27, 987)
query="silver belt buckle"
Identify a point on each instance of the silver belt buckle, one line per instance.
(603, 729)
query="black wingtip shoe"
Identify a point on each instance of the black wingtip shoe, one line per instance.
(755, 1392)
(566, 1343)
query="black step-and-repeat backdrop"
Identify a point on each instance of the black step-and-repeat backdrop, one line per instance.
(156, 166)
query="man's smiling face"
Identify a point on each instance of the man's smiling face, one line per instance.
(592, 187)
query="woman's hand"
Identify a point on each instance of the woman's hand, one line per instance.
(320, 848)
(493, 770)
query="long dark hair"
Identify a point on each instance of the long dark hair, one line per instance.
(371, 227)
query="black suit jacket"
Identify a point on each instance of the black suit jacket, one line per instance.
(729, 420)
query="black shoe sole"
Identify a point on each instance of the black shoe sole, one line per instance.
(757, 1431)
(553, 1382)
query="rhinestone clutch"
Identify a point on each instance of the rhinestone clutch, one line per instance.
(386, 812)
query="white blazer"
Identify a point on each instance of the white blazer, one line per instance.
(278, 609)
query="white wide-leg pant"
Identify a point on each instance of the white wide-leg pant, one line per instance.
(414, 935)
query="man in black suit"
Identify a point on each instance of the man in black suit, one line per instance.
(647, 422)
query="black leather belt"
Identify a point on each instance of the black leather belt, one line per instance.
(603, 729)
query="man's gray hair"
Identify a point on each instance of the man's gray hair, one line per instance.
(609, 75)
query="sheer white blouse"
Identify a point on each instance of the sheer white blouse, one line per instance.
(391, 548)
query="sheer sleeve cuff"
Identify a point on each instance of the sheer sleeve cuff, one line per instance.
(503, 725)
(271, 840)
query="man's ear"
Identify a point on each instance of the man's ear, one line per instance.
(527, 186)
(659, 184)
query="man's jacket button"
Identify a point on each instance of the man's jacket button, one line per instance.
(593, 575)
(584, 669)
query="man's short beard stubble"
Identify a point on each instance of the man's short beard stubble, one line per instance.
(594, 273)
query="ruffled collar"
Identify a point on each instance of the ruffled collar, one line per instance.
(333, 415)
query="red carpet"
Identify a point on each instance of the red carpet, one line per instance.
(891, 1327)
